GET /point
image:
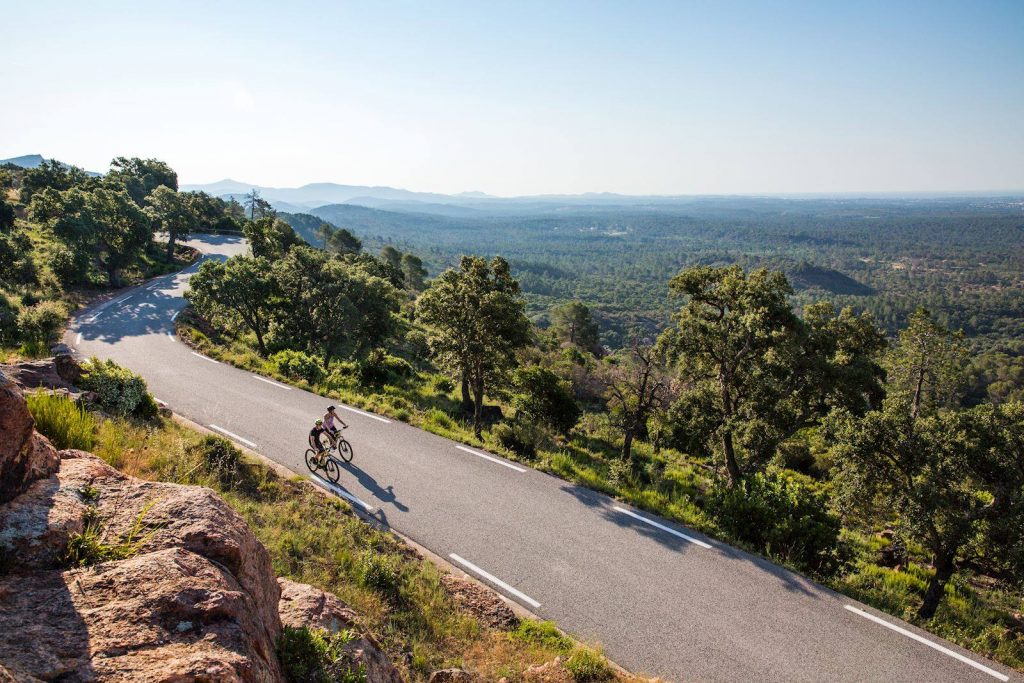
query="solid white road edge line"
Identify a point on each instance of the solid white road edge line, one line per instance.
(925, 641)
(78, 339)
(664, 528)
(366, 414)
(338, 491)
(248, 443)
(173, 317)
(205, 358)
(268, 381)
(491, 458)
(171, 337)
(495, 580)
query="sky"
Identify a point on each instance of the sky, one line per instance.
(528, 97)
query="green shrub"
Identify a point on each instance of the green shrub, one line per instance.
(8, 322)
(519, 437)
(442, 384)
(378, 367)
(220, 457)
(298, 365)
(439, 418)
(378, 572)
(543, 398)
(784, 513)
(313, 655)
(65, 423)
(71, 267)
(42, 322)
(543, 634)
(585, 665)
(119, 390)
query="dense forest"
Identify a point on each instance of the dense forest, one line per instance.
(834, 385)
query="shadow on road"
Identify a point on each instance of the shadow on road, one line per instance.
(385, 494)
(790, 581)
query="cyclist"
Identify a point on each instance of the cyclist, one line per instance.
(314, 436)
(329, 419)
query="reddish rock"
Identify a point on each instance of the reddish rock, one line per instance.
(305, 605)
(24, 456)
(170, 615)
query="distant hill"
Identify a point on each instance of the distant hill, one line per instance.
(807, 276)
(33, 161)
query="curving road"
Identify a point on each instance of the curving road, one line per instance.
(663, 600)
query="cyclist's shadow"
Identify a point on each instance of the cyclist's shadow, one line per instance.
(385, 494)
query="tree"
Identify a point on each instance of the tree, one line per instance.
(477, 321)
(413, 272)
(51, 174)
(141, 176)
(755, 372)
(329, 306)
(241, 288)
(954, 480)
(122, 231)
(543, 398)
(392, 256)
(7, 215)
(338, 240)
(637, 387)
(730, 338)
(271, 238)
(573, 323)
(927, 365)
(209, 211)
(171, 212)
(258, 206)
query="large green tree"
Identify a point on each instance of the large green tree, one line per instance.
(413, 272)
(241, 289)
(926, 367)
(140, 177)
(122, 231)
(477, 321)
(171, 212)
(754, 372)
(953, 481)
(51, 174)
(638, 388)
(330, 306)
(271, 237)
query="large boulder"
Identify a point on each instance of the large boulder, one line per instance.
(304, 605)
(481, 602)
(25, 456)
(170, 615)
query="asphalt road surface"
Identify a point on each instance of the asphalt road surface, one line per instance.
(661, 599)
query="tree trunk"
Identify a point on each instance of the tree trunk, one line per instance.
(627, 445)
(171, 236)
(730, 459)
(114, 277)
(259, 343)
(916, 407)
(936, 587)
(478, 407)
(467, 401)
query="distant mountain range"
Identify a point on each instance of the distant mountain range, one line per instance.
(34, 160)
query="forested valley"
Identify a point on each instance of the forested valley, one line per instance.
(835, 385)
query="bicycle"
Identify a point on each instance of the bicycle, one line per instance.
(335, 442)
(324, 459)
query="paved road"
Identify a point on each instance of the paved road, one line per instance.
(663, 600)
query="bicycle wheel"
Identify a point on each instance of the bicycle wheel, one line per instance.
(311, 460)
(345, 449)
(332, 470)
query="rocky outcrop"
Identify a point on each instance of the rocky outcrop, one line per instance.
(305, 605)
(24, 455)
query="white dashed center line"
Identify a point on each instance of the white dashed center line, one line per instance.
(491, 458)
(78, 339)
(234, 436)
(269, 381)
(366, 414)
(495, 580)
(205, 358)
(664, 528)
(925, 641)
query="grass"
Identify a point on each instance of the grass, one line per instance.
(65, 423)
(978, 617)
(318, 540)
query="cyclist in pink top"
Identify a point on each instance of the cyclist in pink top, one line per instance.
(329, 419)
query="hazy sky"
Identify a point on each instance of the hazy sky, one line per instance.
(528, 97)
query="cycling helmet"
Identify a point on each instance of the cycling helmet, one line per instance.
(330, 409)
(319, 422)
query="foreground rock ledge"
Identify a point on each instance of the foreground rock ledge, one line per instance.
(197, 602)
